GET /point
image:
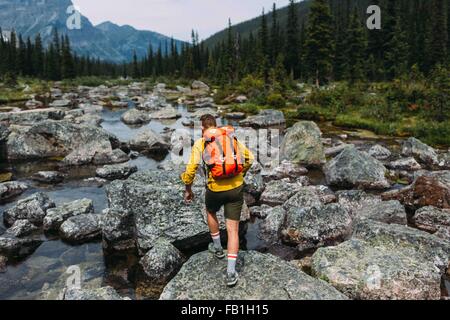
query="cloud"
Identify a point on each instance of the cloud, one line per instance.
(175, 17)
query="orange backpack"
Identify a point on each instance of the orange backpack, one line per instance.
(221, 154)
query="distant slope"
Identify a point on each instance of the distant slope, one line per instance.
(107, 41)
(302, 7)
(247, 27)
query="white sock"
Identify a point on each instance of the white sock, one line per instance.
(216, 239)
(232, 263)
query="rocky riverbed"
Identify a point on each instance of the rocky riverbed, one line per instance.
(88, 187)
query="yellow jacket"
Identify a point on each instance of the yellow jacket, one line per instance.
(215, 185)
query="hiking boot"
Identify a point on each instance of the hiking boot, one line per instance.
(219, 254)
(232, 279)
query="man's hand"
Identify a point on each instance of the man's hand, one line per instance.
(188, 194)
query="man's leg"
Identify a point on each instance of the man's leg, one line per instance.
(214, 229)
(233, 245)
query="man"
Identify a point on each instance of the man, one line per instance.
(227, 192)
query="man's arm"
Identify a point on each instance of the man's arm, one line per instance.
(249, 158)
(188, 176)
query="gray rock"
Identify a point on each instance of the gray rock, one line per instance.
(335, 150)
(278, 192)
(379, 152)
(13, 247)
(150, 142)
(314, 227)
(3, 262)
(49, 177)
(63, 103)
(30, 117)
(162, 262)
(285, 170)
(310, 196)
(419, 150)
(433, 220)
(21, 228)
(204, 102)
(385, 262)
(270, 227)
(235, 115)
(135, 116)
(4, 133)
(149, 206)
(263, 277)
(55, 217)
(254, 185)
(105, 293)
(407, 164)
(11, 189)
(354, 201)
(303, 144)
(116, 171)
(199, 85)
(166, 113)
(77, 144)
(386, 211)
(33, 209)
(265, 119)
(203, 111)
(444, 161)
(353, 168)
(82, 228)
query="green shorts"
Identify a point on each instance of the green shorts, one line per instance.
(232, 201)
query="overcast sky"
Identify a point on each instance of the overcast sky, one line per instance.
(175, 17)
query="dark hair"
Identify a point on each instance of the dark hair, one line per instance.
(208, 121)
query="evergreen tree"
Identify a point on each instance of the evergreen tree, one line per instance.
(292, 41)
(356, 46)
(439, 40)
(136, 71)
(320, 42)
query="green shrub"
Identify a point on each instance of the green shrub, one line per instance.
(249, 108)
(276, 100)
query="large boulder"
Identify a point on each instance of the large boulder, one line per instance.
(427, 190)
(116, 171)
(263, 277)
(55, 217)
(135, 117)
(254, 185)
(30, 117)
(286, 169)
(33, 209)
(353, 168)
(303, 144)
(11, 189)
(149, 142)
(362, 205)
(407, 164)
(265, 119)
(379, 152)
(419, 150)
(82, 228)
(199, 85)
(4, 133)
(77, 144)
(278, 192)
(310, 196)
(149, 206)
(162, 262)
(270, 227)
(18, 248)
(48, 177)
(314, 227)
(21, 228)
(385, 262)
(165, 113)
(433, 220)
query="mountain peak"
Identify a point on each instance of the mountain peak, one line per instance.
(106, 41)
